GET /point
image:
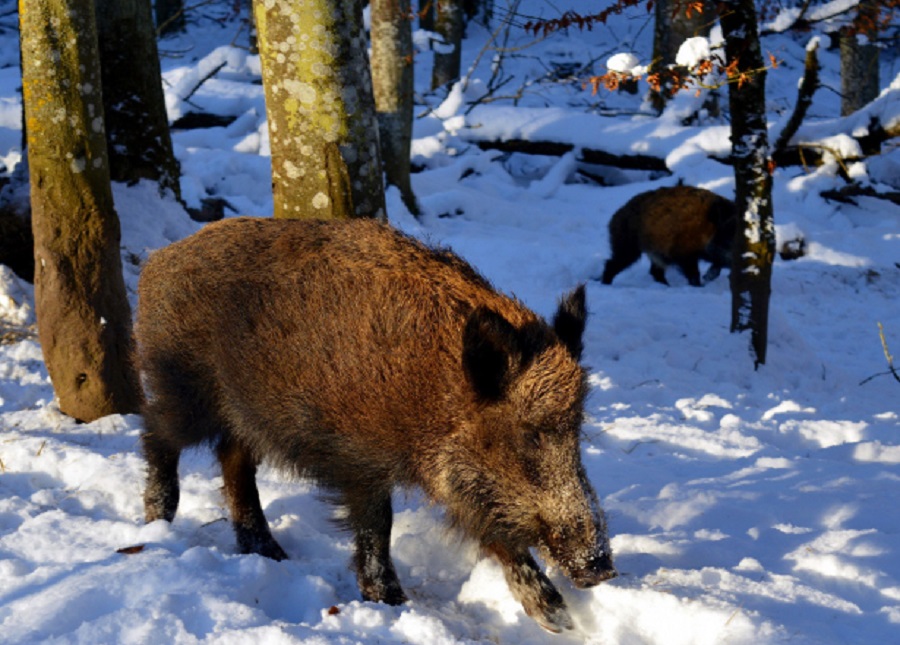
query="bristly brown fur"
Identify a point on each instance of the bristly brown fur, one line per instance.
(679, 225)
(350, 354)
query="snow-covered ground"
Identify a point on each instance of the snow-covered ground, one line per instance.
(745, 506)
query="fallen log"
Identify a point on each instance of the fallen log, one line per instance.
(586, 155)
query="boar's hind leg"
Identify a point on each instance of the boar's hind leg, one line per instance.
(161, 494)
(533, 589)
(371, 517)
(250, 526)
(621, 259)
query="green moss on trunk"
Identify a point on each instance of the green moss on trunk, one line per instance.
(82, 311)
(322, 128)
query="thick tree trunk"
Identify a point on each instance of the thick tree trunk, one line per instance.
(84, 321)
(754, 249)
(137, 127)
(392, 80)
(448, 23)
(323, 132)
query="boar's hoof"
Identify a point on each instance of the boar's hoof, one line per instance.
(266, 546)
(390, 593)
(554, 619)
(547, 607)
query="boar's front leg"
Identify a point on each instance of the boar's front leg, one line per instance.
(370, 516)
(250, 525)
(691, 271)
(530, 586)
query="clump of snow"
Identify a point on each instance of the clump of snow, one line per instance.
(623, 63)
(693, 51)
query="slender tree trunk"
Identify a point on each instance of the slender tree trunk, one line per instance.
(392, 80)
(84, 321)
(448, 23)
(170, 16)
(323, 132)
(754, 249)
(859, 59)
(426, 15)
(137, 127)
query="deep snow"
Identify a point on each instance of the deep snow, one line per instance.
(745, 506)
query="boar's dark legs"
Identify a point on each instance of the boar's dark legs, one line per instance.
(659, 273)
(691, 271)
(161, 494)
(250, 525)
(712, 273)
(371, 516)
(621, 259)
(531, 587)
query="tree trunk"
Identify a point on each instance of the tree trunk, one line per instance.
(392, 80)
(449, 24)
(137, 127)
(84, 321)
(169, 16)
(754, 249)
(859, 59)
(322, 128)
(426, 15)
(672, 26)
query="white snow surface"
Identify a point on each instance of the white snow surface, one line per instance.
(745, 505)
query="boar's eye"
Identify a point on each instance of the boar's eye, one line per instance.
(535, 438)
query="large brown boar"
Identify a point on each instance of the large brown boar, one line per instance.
(350, 354)
(679, 225)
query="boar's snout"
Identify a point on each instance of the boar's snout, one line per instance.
(597, 570)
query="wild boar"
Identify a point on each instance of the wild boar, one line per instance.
(350, 354)
(679, 225)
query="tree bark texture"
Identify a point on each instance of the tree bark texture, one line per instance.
(672, 26)
(754, 249)
(859, 60)
(392, 80)
(137, 127)
(448, 22)
(84, 321)
(676, 21)
(323, 132)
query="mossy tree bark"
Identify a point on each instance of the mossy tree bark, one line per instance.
(137, 127)
(84, 321)
(754, 249)
(323, 133)
(449, 23)
(392, 79)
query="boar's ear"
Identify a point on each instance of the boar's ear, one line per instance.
(489, 344)
(568, 323)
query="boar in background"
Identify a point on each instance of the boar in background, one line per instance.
(679, 225)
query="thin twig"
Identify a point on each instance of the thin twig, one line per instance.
(214, 71)
(887, 353)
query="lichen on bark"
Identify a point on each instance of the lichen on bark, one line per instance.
(322, 129)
